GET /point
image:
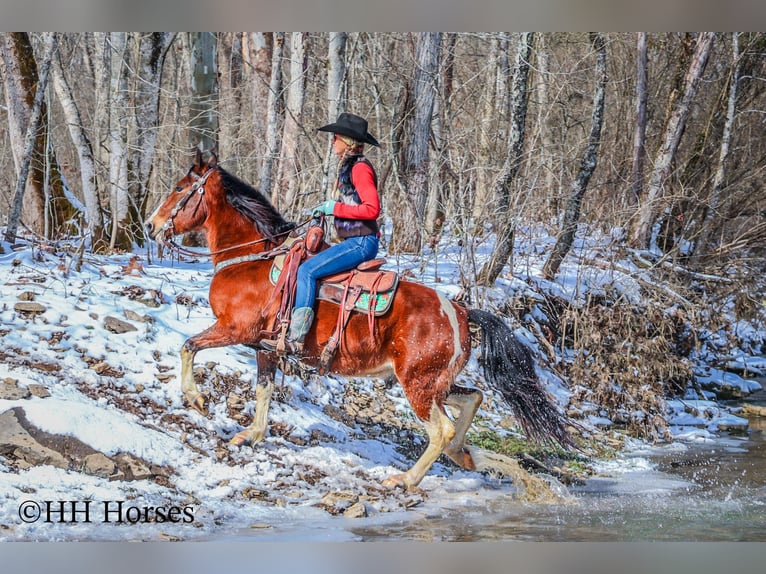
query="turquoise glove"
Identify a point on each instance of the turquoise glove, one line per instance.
(326, 208)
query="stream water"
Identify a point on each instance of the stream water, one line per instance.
(709, 492)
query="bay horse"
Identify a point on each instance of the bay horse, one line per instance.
(423, 341)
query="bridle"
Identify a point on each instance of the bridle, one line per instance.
(167, 231)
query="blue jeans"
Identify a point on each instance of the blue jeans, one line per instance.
(340, 257)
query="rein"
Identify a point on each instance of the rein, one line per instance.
(199, 187)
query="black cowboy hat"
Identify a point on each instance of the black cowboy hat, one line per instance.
(351, 126)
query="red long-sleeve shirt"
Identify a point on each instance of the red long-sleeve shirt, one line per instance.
(363, 180)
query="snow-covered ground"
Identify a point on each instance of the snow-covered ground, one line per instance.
(120, 393)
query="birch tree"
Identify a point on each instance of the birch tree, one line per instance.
(639, 133)
(115, 52)
(587, 165)
(409, 225)
(286, 197)
(152, 49)
(272, 116)
(663, 161)
(82, 143)
(504, 220)
(336, 101)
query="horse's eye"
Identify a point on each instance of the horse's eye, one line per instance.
(179, 189)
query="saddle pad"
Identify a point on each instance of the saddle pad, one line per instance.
(332, 290)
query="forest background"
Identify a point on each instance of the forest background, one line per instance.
(654, 140)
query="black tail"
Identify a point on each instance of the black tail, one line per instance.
(508, 367)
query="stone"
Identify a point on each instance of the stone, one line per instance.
(10, 390)
(132, 467)
(39, 391)
(29, 308)
(15, 440)
(118, 326)
(356, 510)
(98, 464)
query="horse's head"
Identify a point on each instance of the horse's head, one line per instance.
(184, 209)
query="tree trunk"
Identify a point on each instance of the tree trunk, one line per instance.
(30, 138)
(94, 215)
(272, 116)
(230, 98)
(151, 57)
(663, 161)
(505, 223)
(587, 166)
(336, 103)
(203, 132)
(639, 134)
(45, 210)
(258, 50)
(118, 140)
(408, 227)
(287, 198)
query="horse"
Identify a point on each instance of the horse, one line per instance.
(423, 341)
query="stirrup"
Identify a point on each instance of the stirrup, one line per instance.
(291, 347)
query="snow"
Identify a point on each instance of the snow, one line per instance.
(93, 376)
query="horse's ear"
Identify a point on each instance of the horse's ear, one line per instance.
(198, 157)
(213, 160)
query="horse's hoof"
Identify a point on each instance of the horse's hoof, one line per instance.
(462, 458)
(396, 481)
(198, 403)
(246, 438)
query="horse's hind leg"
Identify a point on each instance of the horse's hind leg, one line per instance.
(256, 432)
(467, 402)
(440, 432)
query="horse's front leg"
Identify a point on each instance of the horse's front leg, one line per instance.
(217, 335)
(256, 432)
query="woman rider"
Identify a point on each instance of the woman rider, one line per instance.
(355, 212)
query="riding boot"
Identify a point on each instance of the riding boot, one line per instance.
(300, 323)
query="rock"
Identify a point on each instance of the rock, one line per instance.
(27, 296)
(356, 510)
(38, 391)
(338, 502)
(10, 391)
(118, 326)
(132, 467)
(98, 464)
(756, 410)
(133, 316)
(29, 308)
(16, 440)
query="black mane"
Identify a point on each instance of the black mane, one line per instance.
(253, 204)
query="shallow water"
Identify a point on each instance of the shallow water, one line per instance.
(697, 493)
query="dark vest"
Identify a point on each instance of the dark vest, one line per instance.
(348, 195)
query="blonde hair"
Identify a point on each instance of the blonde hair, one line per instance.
(351, 143)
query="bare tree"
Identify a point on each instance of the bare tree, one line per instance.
(45, 209)
(639, 134)
(152, 49)
(587, 165)
(272, 115)
(408, 227)
(257, 50)
(641, 236)
(82, 143)
(287, 197)
(29, 139)
(505, 223)
(336, 101)
(204, 89)
(116, 49)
